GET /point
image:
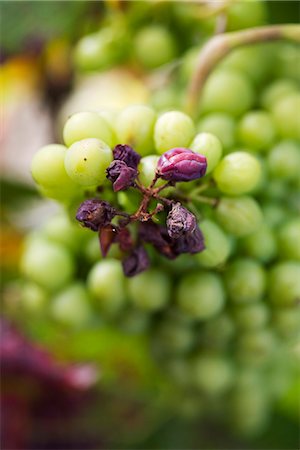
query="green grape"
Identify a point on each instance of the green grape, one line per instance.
(239, 216)
(172, 337)
(71, 306)
(218, 331)
(188, 65)
(253, 60)
(276, 189)
(288, 60)
(157, 294)
(61, 230)
(200, 295)
(289, 240)
(134, 126)
(34, 298)
(252, 316)
(134, 321)
(284, 283)
(153, 46)
(261, 244)
(283, 161)
(286, 322)
(237, 173)
(106, 284)
(101, 50)
(277, 90)
(49, 172)
(256, 130)
(274, 213)
(256, 347)
(147, 169)
(212, 374)
(173, 129)
(91, 250)
(47, 264)
(210, 146)
(217, 245)
(88, 124)
(65, 196)
(285, 113)
(227, 91)
(249, 409)
(220, 125)
(245, 281)
(246, 14)
(87, 160)
(165, 99)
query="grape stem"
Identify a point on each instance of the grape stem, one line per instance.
(221, 45)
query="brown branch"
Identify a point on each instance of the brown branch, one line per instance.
(220, 45)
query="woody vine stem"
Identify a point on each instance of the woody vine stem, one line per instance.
(221, 45)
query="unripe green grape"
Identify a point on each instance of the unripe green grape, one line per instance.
(256, 130)
(34, 298)
(65, 196)
(153, 46)
(277, 90)
(221, 125)
(283, 161)
(239, 216)
(210, 146)
(289, 239)
(106, 284)
(173, 129)
(256, 347)
(285, 113)
(245, 281)
(165, 99)
(252, 316)
(87, 160)
(288, 59)
(173, 337)
(212, 374)
(101, 50)
(200, 295)
(237, 173)
(276, 189)
(261, 244)
(48, 169)
(227, 91)
(218, 331)
(253, 60)
(72, 306)
(63, 231)
(134, 321)
(246, 14)
(87, 124)
(284, 283)
(47, 264)
(157, 294)
(217, 245)
(248, 409)
(147, 168)
(134, 126)
(286, 322)
(274, 213)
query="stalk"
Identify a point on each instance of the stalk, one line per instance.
(221, 45)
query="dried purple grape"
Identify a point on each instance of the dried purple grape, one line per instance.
(137, 262)
(95, 214)
(180, 221)
(121, 175)
(127, 154)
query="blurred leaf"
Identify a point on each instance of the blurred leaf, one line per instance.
(31, 23)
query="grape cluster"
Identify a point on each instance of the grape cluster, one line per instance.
(147, 35)
(223, 323)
